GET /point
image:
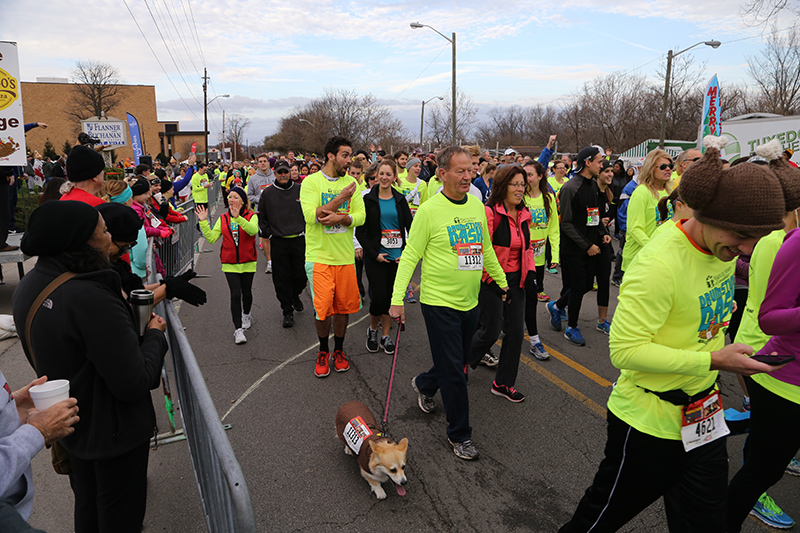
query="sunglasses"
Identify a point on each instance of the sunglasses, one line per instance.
(279, 172)
(695, 159)
(124, 248)
(666, 166)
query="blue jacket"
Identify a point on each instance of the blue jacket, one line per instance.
(622, 212)
(485, 189)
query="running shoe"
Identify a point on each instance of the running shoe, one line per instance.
(238, 336)
(574, 336)
(552, 270)
(410, 295)
(387, 344)
(538, 351)
(425, 402)
(555, 316)
(768, 512)
(489, 360)
(247, 321)
(288, 321)
(604, 327)
(793, 467)
(372, 340)
(269, 268)
(340, 363)
(465, 450)
(616, 282)
(746, 403)
(298, 304)
(594, 286)
(506, 391)
(322, 368)
(543, 297)
(564, 316)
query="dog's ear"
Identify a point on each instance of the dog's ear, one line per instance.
(402, 445)
(374, 445)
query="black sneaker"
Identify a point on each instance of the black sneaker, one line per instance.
(372, 339)
(288, 321)
(509, 393)
(387, 344)
(424, 401)
(298, 304)
(465, 450)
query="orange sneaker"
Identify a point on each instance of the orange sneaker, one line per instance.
(340, 361)
(322, 368)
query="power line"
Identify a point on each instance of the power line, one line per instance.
(194, 25)
(159, 61)
(418, 75)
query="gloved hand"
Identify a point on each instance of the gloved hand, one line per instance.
(166, 232)
(179, 287)
(530, 283)
(188, 275)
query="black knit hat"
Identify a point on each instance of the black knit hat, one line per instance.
(84, 163)
(58, 227)
(747, 197)
(140, 186)
(241, 193)
(122, 221)
(166, 185)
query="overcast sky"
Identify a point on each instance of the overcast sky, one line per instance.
(273, 55)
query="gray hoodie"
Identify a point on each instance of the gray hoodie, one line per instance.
(19, 443)
(257, 183)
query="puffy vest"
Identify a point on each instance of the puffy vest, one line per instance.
(237, 246)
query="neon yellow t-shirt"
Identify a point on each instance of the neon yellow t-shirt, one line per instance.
(760, 266)
(674, 308)
(199, 192)
(402, 173)
(329, 245)
(415, 199)
(438, 229)
(553, 182)
(642, 222)
(543, 228)
(434, 184)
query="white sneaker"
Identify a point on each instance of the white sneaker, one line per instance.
(238, 336)
(247, 321)
(269, 267)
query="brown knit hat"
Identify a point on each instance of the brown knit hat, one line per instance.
(788, 175)
(747, 197)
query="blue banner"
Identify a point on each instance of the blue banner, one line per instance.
(136, 138)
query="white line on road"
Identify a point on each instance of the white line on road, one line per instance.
(255, 385)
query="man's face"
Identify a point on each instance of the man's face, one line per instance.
(567, 160)
(458, 177)
(726, 245)
(509, 158)
(263, 164)
(235, 165)
(282, 175)
(341, 161)
(355, 172)
(594, 165)
(290, 155)
(690, 157)
(402, 160)
(476, 165)
(202, 170)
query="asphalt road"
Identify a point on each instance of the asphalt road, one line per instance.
(537, 457)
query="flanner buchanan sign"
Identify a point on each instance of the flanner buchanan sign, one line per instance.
(108, 130)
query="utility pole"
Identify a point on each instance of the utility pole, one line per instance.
(453, 41)
(223, 137)
(205, 110)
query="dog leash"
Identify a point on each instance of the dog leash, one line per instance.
(384, 425)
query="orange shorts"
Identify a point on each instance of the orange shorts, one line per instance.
(334, 289)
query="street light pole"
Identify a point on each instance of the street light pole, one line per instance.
(422, 118)
(206, 103)
(452, 41)
(665, 103)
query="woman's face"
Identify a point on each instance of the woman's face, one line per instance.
(101, 238)
(372, 180)
(294, 173)
(607, 175)
(664, 175)
(516, 189)
(386, 176)
(630, 172)
(533, 177)
(235, 201)
(414, 170)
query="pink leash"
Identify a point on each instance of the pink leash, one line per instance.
(400, 327)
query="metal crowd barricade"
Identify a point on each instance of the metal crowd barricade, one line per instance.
(223, 489)
(177, 252)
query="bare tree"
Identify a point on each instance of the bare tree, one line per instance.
(765, 11)
(686, 97)
(235, 126)
(776, 73)
(97, 89)
(439, 120)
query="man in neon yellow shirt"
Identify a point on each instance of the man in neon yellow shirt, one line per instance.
(200, 185)
(400, 159)
(450, 233)
(665, 425)
(332, 208)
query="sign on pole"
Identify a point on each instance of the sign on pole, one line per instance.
(711, 123)
(12, 125)
(136, 138)
(109, 131)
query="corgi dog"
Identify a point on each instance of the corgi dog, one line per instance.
(379, 457)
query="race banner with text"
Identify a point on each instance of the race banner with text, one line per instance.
(136, 138)
(12, 124)
(711, 123)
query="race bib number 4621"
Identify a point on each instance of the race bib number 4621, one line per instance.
(703, 422)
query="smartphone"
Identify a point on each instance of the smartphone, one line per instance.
(774, 360)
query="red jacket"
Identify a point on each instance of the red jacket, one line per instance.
(499, 225)
(237, 247)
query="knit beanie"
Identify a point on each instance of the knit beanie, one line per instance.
(141, 186)
(411, 162)
(58, 227)
(788, 175)
(241, 193)
(747, 197)
(123, 222)
(84, 163)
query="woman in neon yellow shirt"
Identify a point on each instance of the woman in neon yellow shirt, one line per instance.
(643, 205)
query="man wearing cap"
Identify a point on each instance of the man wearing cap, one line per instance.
(666, 431)
(258, 182)
(787, 155)
(509, 156)
(85, 175)
(582, 235)
(280, 221)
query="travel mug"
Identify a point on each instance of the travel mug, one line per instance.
(142, 303)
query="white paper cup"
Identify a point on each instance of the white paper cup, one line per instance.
(49, 393)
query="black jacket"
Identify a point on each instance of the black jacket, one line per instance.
(84, 333)
(369, 234)
(579, 195)
(279, 211)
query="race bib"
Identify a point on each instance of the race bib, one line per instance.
(391, 238)
(470, 256)
(538, 247)
(592, 216)
(203, 181)
(338, 228)
(355, 433)
(703, 422)
(264, 186)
